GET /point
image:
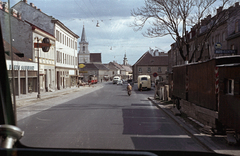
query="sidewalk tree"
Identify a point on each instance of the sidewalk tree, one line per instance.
(175, 17)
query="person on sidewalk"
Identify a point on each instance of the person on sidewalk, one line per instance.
(89, 82)
(79, 83)
(157, 89)
(140, 86)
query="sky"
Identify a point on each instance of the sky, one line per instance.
(114, 37)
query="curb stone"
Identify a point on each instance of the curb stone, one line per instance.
(208, 141)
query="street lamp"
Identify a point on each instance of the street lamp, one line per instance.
(38, 81)
(45, 45)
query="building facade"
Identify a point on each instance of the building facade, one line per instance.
(222, 38)
(65, 47)
(149, 64)
(66, 56)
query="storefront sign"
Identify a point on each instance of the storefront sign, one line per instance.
(227, 51)
(19, 67)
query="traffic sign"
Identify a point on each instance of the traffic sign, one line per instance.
(40, 45)
(218, 46)
(155, 74)
(46, 48)
(45, 45)
(81, 65)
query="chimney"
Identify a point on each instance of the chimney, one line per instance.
(25, 1)
(40, 10)
(236, 4)
(208, 17)
(19, 16)
(219, 10)
(14, 12)
(203, 22)
(5, 6)
(35, 7)
(31, 4)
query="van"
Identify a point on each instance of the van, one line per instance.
(145, 81)
(116, 79)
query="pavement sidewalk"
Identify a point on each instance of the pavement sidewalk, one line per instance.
(215, 143)
(26, 99)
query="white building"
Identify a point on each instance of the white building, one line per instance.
(66, 56)
(46, 59)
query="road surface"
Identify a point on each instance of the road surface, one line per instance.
(102, 117)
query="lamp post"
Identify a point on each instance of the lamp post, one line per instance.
(38, 81)
(45, 45)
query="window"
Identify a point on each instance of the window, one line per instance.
(58, 56)
(230, 86)
(159, 69)
(139, 70)
(83, 48)
(57, 35)
(232, 47)
(60, 40)
(223, 36)
(236, 26)
(149, 70)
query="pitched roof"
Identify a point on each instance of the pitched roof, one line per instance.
(94, 66)
(148, 59)
(110, 67)
(127, 68)
(90, 66)
(117, 65)
(15, 52)
(95, 57)
(101, 67)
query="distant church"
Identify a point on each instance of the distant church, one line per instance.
(84, 56)
(125, 61)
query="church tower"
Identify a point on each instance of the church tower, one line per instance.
(125, 61)
(83, 54)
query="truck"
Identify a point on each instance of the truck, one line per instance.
(144, 82)
(209, 92)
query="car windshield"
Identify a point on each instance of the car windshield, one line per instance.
(75, 65)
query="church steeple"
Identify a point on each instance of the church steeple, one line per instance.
(83, 37)
(83, 54)
(125, 61)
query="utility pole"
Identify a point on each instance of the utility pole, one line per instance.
(38, 81)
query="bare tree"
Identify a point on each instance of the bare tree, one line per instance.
(174, 17)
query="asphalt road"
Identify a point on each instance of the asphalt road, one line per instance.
(106, 118)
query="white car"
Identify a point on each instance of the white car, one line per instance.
(119, 82)
(116, 79)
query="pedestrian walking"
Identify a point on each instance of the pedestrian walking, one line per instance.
(140, 86)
